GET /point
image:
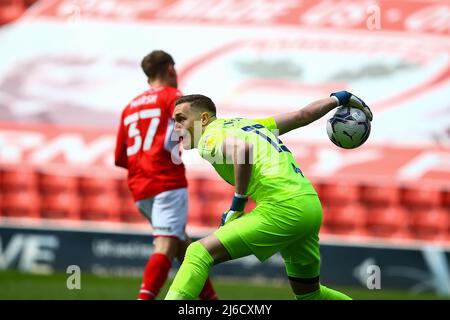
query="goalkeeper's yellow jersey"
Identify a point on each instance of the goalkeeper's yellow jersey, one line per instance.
(275, 173)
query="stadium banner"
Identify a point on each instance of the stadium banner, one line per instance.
(419, 268)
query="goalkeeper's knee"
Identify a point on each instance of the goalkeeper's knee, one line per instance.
(197, 255)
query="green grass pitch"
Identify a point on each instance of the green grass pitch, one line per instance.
(16, 285)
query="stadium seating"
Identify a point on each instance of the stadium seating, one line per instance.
(122, 188)
(446, 199)
(338, 193)
(392, 222)
(51, 184)
(216, 189)
(195, 211)
(98, 185)
(380, 195)
(381, 210)
(61, 205)
(21, 203)
(100, 207)
(129, 212)
(420, 197)
(213, 210)
(326, 219)
(19, 179)
(430, 224)
(348, 219)
(324, 229)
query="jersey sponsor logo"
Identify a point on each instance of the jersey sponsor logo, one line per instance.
(209, 143)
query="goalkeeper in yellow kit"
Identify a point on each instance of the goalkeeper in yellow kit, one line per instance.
(288, 214)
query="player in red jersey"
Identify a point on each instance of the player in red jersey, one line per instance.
(156, 176)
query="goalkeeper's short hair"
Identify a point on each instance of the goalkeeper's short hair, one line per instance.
(198, 102)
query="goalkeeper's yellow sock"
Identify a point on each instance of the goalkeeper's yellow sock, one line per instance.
(323, 293)
(191, 276)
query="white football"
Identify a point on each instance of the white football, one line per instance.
(348, 128)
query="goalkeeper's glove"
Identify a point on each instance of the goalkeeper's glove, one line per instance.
(236, 210)
(230, 215)
(348, 99)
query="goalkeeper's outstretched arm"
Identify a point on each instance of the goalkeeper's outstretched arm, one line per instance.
(317, 109)
(310, 113)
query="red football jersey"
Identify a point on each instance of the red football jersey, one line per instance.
(144, 145)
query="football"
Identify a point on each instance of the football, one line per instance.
(348, 128)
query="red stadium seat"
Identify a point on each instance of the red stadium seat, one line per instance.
(194, 188)
(420, 197)
(216, 189)
(122, 188)
(16, 180)
(339, 193)
(195, 213)
(62, 205)
(195, 203)
(213, 210)
(50, 183)
(129, 213)
(347, 220)
(446, 199)
(390, 222)
(318, 187)
(326, 217)
(24, 203)
(100, 207)
(195, 185)
(380, 195)
(324, 230)
(98, 185)
(430, 224)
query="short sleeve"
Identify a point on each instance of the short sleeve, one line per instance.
(121, 159)
(269, 123)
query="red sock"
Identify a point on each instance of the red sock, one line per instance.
(155, 274)
(208, 292)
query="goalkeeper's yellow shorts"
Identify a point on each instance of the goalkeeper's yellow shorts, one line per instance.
(290, 227)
